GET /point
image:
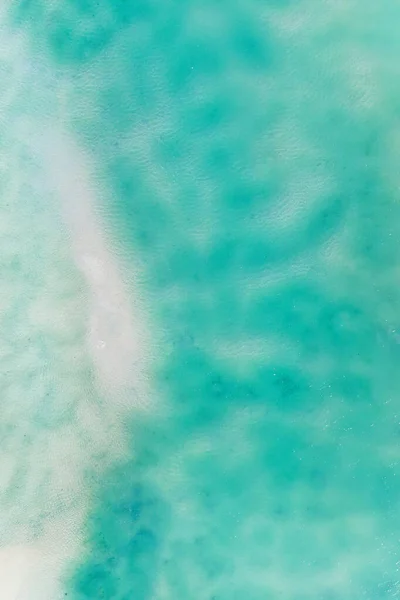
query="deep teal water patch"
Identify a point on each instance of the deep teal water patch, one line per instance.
(258, 198)
(124, 537)
(78, 31)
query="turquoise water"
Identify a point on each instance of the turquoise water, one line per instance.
(245, 159)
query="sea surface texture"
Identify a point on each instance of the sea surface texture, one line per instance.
(199, 300)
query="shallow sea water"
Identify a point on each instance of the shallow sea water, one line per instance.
(199, 300)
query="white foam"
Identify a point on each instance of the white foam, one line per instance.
(15, 566)
(34, 570)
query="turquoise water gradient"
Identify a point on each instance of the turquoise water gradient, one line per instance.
(247, 154)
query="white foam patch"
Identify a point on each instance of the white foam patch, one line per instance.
(34, 570)
(15, 566)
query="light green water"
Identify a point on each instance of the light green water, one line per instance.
(245, 163)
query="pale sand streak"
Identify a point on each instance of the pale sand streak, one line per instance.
(116, 341)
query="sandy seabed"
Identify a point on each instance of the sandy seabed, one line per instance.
(99, 366)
